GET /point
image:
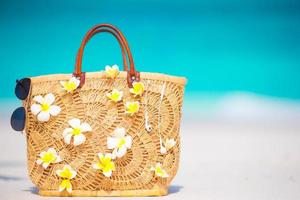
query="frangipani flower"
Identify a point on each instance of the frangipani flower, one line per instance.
(159, 171)
(119, 142)
(137, 88)
(71, 84)
(105, 164)
(132, 107)
(67, 173)
(77, 129)
(115, 95)
(112, 71)
(44, 108)
(48, 157)
(167, 145)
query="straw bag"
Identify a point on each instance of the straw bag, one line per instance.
(106, 133)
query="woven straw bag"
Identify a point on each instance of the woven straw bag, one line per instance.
(151, 156)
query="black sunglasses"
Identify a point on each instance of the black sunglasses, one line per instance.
(22, 89)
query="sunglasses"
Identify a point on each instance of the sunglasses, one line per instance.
(17, 119)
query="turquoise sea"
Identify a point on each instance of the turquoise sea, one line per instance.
(220, 46)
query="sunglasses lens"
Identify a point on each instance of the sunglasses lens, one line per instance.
(17, 120)
(22, 88)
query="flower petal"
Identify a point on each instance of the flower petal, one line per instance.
(67, 130)
(35, 109)
(170, 143)
(112, 142)
(85, 127)
(54, 110)
(158, 165)
(43, 116)
(107, 67)
(163, 150)
(108, 173)
(49, 98)
(108, 155)
(100, 156)
(74, 123)
(121, 151)
(115, 67)
(45, 165)
(165, 174)
(58, 159)
(52, 150)
(39, 99)
(74, 173)
(62, 186)
(96, 166)
(63, 83)
(128, 140)
(79, 139)
(75, 80)
(114, 154)
(39, 161)
(58, 172)
(69, 188)
(42, 153)
(67, 138)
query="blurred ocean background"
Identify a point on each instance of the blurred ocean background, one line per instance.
(241, 59)
(224, 48)
(220, 46)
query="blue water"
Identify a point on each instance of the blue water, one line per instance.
(220, 46)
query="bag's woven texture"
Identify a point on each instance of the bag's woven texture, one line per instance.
(91, 105)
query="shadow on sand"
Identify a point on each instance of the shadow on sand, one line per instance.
(10, 178)
(174, 189)
(32, 190)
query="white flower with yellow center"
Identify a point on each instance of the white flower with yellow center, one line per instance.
(132, 107)
(71, 84)
(44, 108)
(115, 95)
(167, 145)
(112, 71)
(77, 129)
(105, 164)
(67, 173)
(48, 157)
(119, 142)
(137, 89)
(159, 171)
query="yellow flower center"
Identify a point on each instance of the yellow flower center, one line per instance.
(138, 88)
(45, 106)
(114, 96)
(76, 131)
(106, 164)
(66, 173)
(112, 72)
(66, 184)
(48, 157)
(70, 86)
(159, 171)
(121, 142)
(132, 108)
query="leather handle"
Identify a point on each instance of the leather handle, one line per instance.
(80, 55)
(132, 74)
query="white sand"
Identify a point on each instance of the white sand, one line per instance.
(221, 159)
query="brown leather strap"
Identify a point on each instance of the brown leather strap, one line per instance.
(124, 54)
(132, 75)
